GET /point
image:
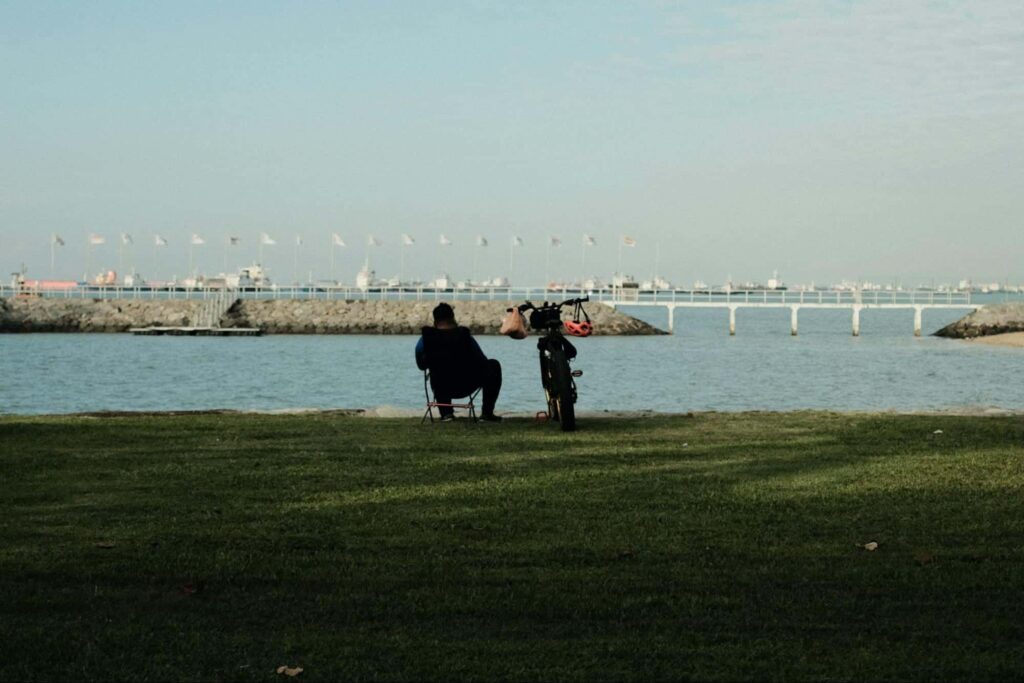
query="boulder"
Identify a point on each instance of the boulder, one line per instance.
(988, 320)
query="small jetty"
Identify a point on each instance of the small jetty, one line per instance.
(197, 331)
(207, 322)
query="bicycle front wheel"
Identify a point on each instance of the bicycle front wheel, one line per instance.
(563, 390)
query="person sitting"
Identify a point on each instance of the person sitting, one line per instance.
(457, 365)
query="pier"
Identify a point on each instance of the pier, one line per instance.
(196, 331)
(853, 301)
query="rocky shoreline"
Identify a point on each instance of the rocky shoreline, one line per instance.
(987, 321)
(284, 316)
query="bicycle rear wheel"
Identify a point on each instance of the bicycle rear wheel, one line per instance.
(547, 381)
(564, 393)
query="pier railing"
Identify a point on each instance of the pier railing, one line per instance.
(612, 295)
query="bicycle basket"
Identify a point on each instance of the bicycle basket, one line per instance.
(542, 318)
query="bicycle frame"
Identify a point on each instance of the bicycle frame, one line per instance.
(556, 352)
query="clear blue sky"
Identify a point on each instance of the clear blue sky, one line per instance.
(830, 140)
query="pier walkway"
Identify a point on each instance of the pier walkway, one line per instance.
(853, 300)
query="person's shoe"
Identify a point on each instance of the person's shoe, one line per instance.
(448, 418)
(491, 417)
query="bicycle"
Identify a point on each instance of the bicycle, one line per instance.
(556, 352)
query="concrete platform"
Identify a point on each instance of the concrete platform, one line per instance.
(197, 331)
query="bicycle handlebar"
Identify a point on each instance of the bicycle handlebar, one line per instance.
(546, 306)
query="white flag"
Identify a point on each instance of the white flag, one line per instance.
(481, 241)
(337, 241)
(159, 241)
(517, 241)
(234, 241)
(372, 241)
(298, 240)
(126, 238)
(96, 240)
(556, 241)
(266, 239)
(197, 240)
(407, 240)
(589, 241)
(58, 241)
(628, 241)
(445, 242)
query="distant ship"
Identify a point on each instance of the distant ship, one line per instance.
(658, 283)
(365, 278)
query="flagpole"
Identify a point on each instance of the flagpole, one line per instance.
(547, 266)
(620, 256)
(583, 264)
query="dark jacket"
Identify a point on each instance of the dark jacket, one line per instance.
(453, 357)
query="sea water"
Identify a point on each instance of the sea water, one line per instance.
(698, 368)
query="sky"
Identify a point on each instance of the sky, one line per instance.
(875, 140)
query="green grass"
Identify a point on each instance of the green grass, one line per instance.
(715, 547)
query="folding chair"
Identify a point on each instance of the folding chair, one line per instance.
(469, 405)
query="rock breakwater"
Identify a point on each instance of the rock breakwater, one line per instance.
(397, 317)
(42, 314)
(986, 321)
(286, 316)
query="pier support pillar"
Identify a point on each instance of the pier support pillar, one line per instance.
(917, 321)
(671, 319)
(732, 321)
(856, 320)
(792, 320)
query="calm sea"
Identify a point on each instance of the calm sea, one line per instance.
(699, 368)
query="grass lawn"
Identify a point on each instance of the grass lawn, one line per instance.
(715, 547)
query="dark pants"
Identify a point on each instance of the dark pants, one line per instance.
(489, 377)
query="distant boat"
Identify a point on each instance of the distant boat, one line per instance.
(658, 283)
(365, 278)
(45, 285)
(250, 276)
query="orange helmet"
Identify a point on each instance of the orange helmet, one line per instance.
(579, 328)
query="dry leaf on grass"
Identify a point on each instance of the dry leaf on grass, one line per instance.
(871, 546)
(106, 545)
(923, 557)
(288, 671)
(937, 431)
